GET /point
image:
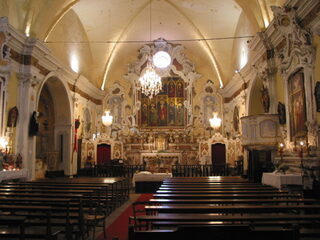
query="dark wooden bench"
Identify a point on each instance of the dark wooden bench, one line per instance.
(225, 196)
(215, 188)
(37, 224)
(100, 192)
(209, 232)
(226, 191)
(72, 223)
(119, 187)
(270, 213)
(259, 201)
(12, 222)
(227, 209)
(236, 218)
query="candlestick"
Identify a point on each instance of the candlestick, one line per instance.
(281, 145)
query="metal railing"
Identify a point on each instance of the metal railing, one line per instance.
(110, 170)
(199, 170)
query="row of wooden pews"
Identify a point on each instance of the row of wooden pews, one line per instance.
(66, 207)
(225, 208)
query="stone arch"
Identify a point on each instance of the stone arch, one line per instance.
(60, 155)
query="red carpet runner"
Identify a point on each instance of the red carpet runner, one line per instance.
(119, 228)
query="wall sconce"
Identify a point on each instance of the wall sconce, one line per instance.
(3, 144)
(107, 119)
(215, 122)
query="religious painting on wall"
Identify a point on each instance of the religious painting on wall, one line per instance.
(236, 119)
(166, 108)
(298, 106)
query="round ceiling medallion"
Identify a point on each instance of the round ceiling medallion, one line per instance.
(161, 59)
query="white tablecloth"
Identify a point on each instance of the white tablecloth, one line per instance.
(16, 174)
(278, 180)
(154, 177)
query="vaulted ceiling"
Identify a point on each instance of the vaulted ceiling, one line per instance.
(99, 38)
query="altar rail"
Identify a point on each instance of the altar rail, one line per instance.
(199, 170)
(110, 170)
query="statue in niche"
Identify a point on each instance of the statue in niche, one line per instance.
(34, 125)
(117, 110)
(265, 99)
(282, 113)
(87, 120)
(13, 117)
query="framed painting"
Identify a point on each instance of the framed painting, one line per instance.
(298, 105)
(165, 109)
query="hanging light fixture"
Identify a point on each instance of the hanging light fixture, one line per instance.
(150, 81)
(161, 59)
(107, 119)
(215, 122)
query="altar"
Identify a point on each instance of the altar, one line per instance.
(279, 180)
(147, 182)
(160, 162)
(13, 174)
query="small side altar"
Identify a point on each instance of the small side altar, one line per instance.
(13, 174)
(279, 180)
(147, 182)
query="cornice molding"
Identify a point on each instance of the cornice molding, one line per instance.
(32, 55)
(305, 9)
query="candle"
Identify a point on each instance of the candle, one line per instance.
(281, 145)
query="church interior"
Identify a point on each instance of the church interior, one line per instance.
(172, 89)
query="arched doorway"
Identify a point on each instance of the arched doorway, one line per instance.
(103, 154)
(53, 141)
(218, 157)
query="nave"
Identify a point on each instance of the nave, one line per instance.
(214, 207)
(224, 208)
(205, 112)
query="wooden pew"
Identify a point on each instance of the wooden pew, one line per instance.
(162, 201)
(232, 191)
(225, 196)
(231, 209)
(62, 213)
(100, 192)
(52, 192)
(215, 188)
(119, 186)
(214, 231)
(236, 202)
(247, 218)
(205, 180)
(33, 229)
(18, 222)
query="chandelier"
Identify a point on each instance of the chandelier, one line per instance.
(107, 119)
(215, 122)
(150, 81)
